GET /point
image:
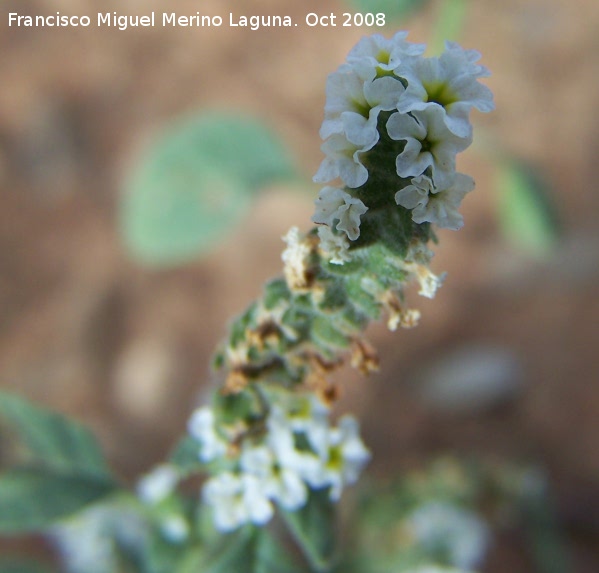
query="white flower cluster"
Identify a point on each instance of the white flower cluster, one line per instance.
(387, 90)
(299, 451)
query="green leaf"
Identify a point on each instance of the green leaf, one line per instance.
(313, 528)
(18, 565)
(275, 292)
(251, 550)
(325, 334)
(186, 454)
(393, 9)
(193, 186)
(31, 499)
(449, 24)
(526, 212)
(52, 439)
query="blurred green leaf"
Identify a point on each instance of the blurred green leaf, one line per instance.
(313, 528)
(186, 455)
(18, 565)
(526, 212)
(449, 24)
(393, 9)
(195, 183)
(31, 499)
(52, 439)
(543, 532)
(251, 550)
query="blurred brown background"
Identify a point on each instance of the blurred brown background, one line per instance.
(88, 331)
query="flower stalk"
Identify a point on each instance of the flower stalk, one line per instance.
(394, 123)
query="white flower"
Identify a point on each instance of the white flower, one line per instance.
(334, 245)
(433, 205)
(353, 105)
(236, 500)
(281, 483)
(376, 55)
(343, 455)
(415, 195)
(310, 417)
(343, 160)
(281, 439)
(335, 204)
(158, 484)
(429, 144)
(201, 427)
(457, 534)
(449, 82)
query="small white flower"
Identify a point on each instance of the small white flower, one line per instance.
(281, 440)
(343, 455)
(429, 144)
(328, 203)
(280, 483)
(310, 417)
(158, 484)
(353, 105)
(433, 205)
(343, 160)
(456, 533)
(416, 194)
(376, 55)
(450, 83)
(334, 245)
(236, 500)
(201, 427)
(334, 204)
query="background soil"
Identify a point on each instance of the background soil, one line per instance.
(88, 331)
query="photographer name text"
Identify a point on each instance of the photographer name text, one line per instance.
(172, 19)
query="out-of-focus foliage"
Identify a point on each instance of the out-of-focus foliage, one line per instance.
(447, 514)
(195, 183)
(313, 528)
(252, 550)
(8, 565)
(393, 9)
(62, 471)
(526, 212)
(449, 24)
